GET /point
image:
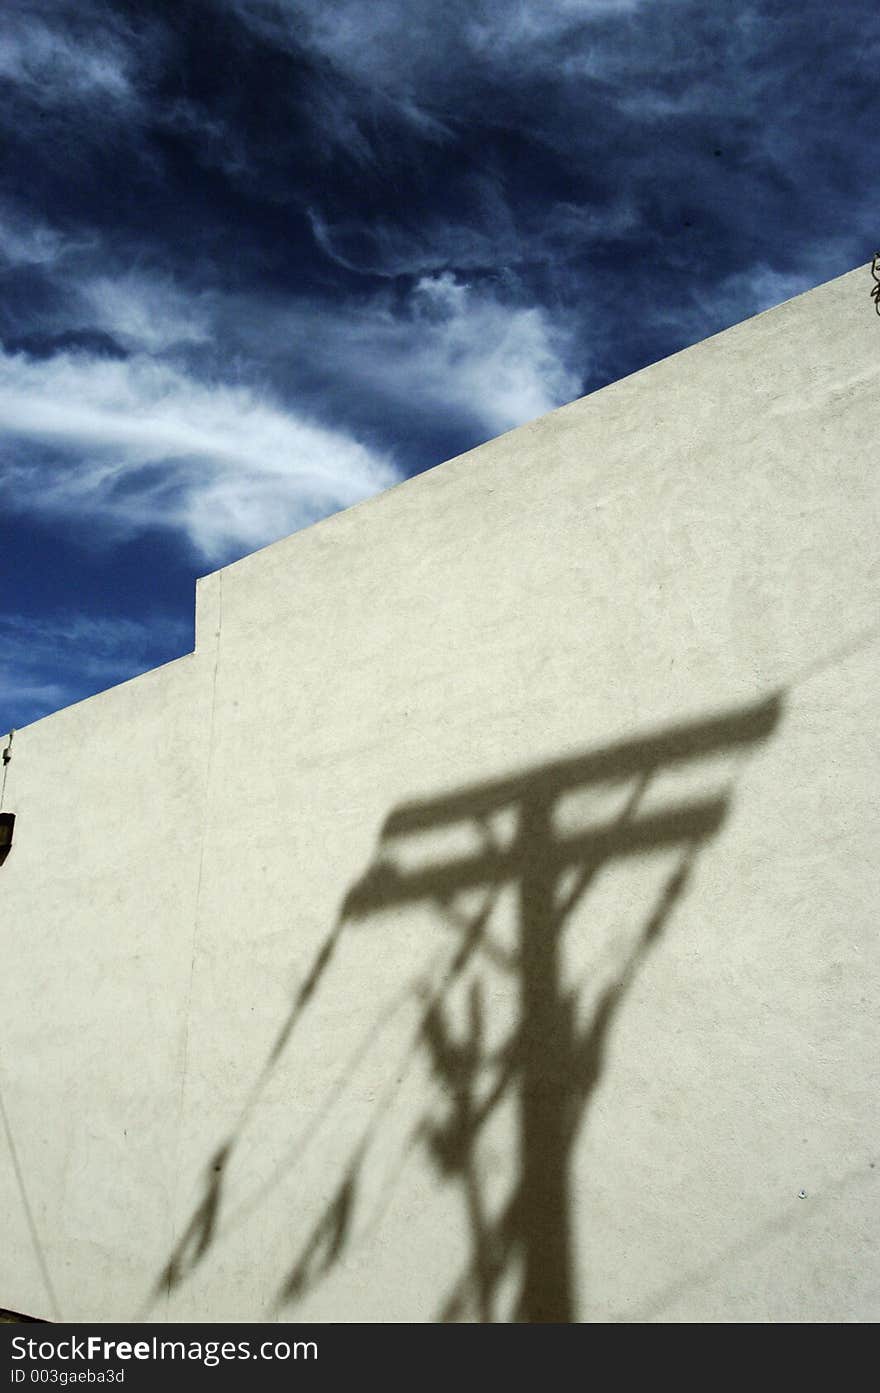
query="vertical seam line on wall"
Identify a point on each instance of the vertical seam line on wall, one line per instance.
(196, 919)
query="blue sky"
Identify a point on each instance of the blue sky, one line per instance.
(260, 259)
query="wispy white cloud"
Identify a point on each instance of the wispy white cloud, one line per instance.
(52, 659)
(25, 241)
(146, 312)
(153, 441)
(738, 295)
(24, 697)
(487, 237)
(417, 45)
(414, 61)
(76, 82)
(142, 444)
(496, 28)
(185, 435)
(57, 67)
(446, 350)
(385, 248)
(463, 349)
(103, 637)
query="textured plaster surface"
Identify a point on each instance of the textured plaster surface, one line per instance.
(481, 922)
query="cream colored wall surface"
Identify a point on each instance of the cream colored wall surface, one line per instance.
(97, 902)
(480, 925)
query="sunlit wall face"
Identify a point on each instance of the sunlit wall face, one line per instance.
(479, 924)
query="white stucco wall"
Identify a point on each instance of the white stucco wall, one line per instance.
(481, 923)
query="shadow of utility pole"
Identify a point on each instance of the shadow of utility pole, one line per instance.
(547, 1064)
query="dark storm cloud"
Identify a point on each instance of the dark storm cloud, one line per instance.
(259, 259)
